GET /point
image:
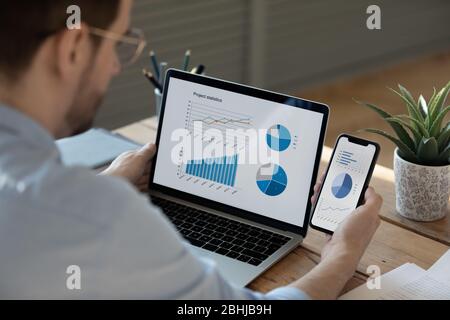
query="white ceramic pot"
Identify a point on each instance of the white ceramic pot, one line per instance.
(422, 192)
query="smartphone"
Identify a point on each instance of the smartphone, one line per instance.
(346, 180)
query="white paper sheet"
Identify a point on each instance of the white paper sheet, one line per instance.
(424, 288)
(409, 282)
(388, 282)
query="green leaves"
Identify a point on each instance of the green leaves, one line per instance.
(399, 130)
(438, 101)
(437, 123)
(430, 141)
(444, 156)
(419, 125)
(427, 151)
(413, 110)
(444, 137)
(405, 151)
(423, 106)
(417, 135)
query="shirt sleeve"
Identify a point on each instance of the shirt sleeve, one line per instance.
(286, 293)
(228, 292)
(142, 256)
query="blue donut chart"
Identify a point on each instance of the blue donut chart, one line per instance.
(342, 185)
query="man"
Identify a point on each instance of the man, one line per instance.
(52, 217)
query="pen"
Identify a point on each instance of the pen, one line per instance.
(152, 79)
(162, 72)
(154, 63)
(198, 69)
(187, 56)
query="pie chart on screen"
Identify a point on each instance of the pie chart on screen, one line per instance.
(342, 185)
(271, 179)
(278, 137)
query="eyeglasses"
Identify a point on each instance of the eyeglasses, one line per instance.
(129, 46)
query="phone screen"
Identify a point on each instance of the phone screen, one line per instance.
(344, 183)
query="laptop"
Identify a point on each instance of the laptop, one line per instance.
(235, 170)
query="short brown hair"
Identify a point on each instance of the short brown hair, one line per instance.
(25, 24)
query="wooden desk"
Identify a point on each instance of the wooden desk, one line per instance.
(395, 242)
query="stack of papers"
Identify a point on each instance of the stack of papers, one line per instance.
(409, 282)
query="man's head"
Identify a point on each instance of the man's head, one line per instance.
(56, 75)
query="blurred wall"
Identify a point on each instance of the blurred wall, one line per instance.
(283, 45)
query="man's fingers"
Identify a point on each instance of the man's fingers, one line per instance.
(148, 151)
(370, 192)
(317, 187)
(144, 178)
(372, 205)
(143, 188)
(322, 177)
(319, 183)
(372, 198)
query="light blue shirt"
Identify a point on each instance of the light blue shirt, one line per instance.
(53, 217)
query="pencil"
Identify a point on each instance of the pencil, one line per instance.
(154, 63)
(187, 57)
(162, 71)
(198, 69)
(152, 79)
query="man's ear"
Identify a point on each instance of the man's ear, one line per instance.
(73, 49)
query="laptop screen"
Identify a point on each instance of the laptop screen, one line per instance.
(243, 151)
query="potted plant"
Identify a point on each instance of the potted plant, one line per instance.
(422, 156)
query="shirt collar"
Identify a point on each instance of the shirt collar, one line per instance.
(18, 124)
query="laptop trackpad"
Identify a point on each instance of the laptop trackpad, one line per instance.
(236, 272)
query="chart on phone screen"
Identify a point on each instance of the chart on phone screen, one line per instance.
(343, 184)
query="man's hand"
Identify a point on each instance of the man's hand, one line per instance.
(354, 234)
(134, 166)
(342, 252)
(356, 231)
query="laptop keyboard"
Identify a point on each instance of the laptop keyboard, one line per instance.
(221, 235)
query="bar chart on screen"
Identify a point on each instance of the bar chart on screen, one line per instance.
(221, 170)
(346, 160)
(215, 172)
(218, 173)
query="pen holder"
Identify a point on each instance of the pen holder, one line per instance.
(158, 100)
